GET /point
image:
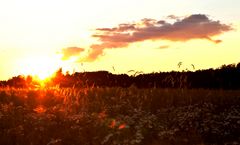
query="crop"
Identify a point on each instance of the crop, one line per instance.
(119, 116)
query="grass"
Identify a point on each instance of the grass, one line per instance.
(119, 116)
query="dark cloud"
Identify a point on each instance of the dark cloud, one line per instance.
(197, 26)
(161, 22)
(71, 51)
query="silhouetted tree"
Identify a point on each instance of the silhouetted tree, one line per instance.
(224, 77)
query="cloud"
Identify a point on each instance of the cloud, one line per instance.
(192, 27)
(164, 46)
(94, 53)
(173, 17)
(71, 51)
(196, 26)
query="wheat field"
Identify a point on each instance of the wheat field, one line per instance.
(119, 116)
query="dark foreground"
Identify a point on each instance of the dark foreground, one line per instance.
(117, 116)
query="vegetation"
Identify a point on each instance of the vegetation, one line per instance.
(225, 77)
(100, 108)
(120, 116)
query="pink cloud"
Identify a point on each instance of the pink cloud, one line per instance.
(71, 51)
(196, 26)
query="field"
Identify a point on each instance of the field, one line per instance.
(119, 116)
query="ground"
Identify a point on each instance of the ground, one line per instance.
(120, 116)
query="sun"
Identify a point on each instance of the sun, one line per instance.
(44, 75)
(40, 67)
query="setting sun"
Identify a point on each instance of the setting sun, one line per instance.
(42, 67)
(130, 72)
(102, 34)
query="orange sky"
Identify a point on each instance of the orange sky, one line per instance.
(38, 37)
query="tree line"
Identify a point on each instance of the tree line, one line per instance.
(224, 77)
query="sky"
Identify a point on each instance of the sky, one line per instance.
(38, 37)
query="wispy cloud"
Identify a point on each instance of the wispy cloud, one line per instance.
(71, 51)
(173, 17)
(196, 26)
(163, 46)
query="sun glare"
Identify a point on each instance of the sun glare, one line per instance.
(42, 68)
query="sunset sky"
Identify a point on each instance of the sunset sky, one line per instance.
(39, 36)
